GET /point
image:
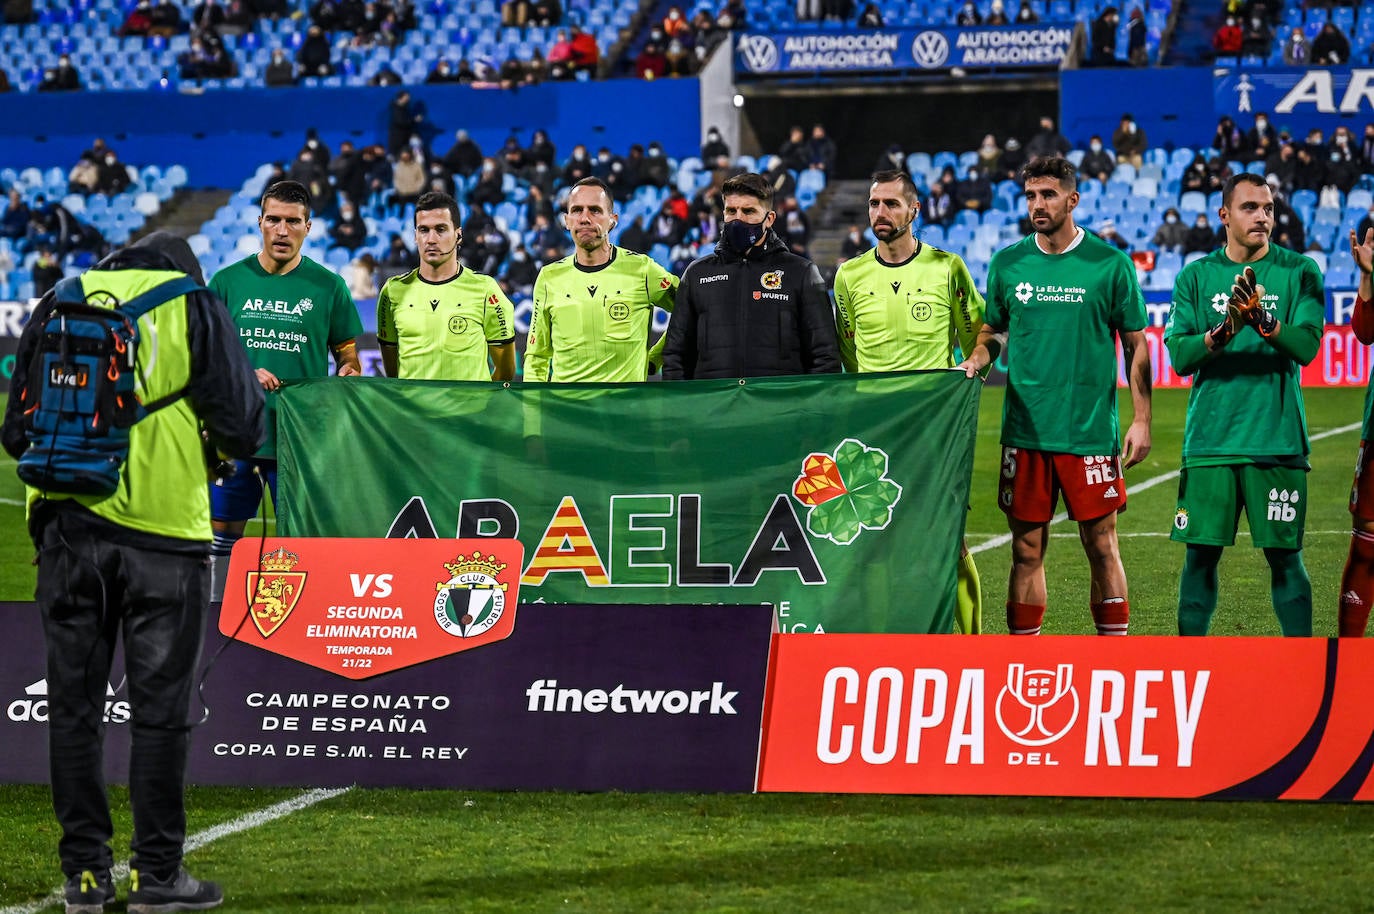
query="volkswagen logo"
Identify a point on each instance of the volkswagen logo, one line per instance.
(759, 52)
(930, 50)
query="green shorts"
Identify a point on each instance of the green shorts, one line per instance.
(1210, 499)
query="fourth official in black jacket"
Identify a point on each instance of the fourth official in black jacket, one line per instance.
(752, 308)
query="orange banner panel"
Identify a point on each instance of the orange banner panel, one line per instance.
(1069, 716)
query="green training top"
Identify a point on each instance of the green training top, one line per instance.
(441, 330)
(1062, 313)
(905, 316)
(287, 323)
(1246, 403)
(592, 323)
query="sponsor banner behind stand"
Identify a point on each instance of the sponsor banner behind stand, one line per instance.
(839, 499)
(1297, 98)
(1037, 46)
(578, 698)
(1072, 716)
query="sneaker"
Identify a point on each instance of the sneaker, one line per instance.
(179, 892)
(89, 893)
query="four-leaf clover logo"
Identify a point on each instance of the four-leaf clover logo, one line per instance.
(1219, 302)
(848, 491)
(1024, 290)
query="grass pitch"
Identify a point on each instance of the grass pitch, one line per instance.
(432, 851)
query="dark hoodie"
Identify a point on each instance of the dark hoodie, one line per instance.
(222, 388)
(753, 314)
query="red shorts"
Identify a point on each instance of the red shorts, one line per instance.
(1032, 480)
(1362, 491)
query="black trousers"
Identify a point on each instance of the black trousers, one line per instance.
(89, 591)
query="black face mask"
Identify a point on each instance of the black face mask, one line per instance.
(743, 235)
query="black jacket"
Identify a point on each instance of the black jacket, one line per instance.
(747, 316)
(223, 389)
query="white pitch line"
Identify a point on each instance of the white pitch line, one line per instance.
(120, 871)
(12, 501)
(1005, 538)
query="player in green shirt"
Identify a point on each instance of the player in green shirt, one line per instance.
(440, 322)
(905, 306)
(291, 313)
(1244, 320)
(1357, 580)
(1064, 296)
(592, 309)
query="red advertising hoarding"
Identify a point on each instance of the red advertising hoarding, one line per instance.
(1255, 718)
(1342, 361)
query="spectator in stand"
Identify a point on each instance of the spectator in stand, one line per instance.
(1330, 47)
(793, 151)
(650, 63)
(561, 56)
(1026, 15)
(385, 76)
(871, 17)
(892, 159)
(997, 15)
(1104, 37)
(1013, 160)
(313, 56)
(46, 272)
(1257, 39)
(1297, 51)
(1097, 162)
(138, 22)
(279, 72)
(793, 227)
(632, 175)
(208, 16)
(269, 9)
(540, 149)
(1047, 141)
(733, 17)
(585, 52)
(14, 222)
(706, 224)
(464, 157)
(968, 15)
(989, 156)
(17, 12)
(376, 170)
(398, 261)
(578, 166)
(166, 20)
(1288, 228)
(1137, 35)
(6, 268)
(63, 78)
(403, 122)
(1108, 233)
(1261, 140)
(345, 170)
(1195, 178)
(113, 175)
(5, 81)
(512, 73)
(515, 13)
(681, 61)
(407, 181)
(1129, 142)
(1367, 147)
(439, 180)
(974, 192)
(348, 231)
(239, 18)
(1202, 238)
(666, 228)
(656, 170)
(1283, 165)
(1218, 173)
(536, 68)
(675, 25)
(1309, 172)
(1172, 234)
(939, 206)
(808, 10)
(820, 151)
(1229, 140)
(84, 177)
(715, 148)
(853, 245)
(1228, 39)
(1344, 167)
(442, 74)
(361, 276)
(779, 178)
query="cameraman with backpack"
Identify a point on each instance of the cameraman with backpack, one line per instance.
(134, 560)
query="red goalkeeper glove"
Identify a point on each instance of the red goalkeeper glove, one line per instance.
(1247, 296)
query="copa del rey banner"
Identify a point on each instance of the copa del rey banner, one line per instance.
(838, 499)
(1239, 718)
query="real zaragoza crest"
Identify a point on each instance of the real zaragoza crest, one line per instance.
(471, 601)
(274, 590)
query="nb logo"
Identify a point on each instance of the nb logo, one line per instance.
(930, 50)
(759, 53)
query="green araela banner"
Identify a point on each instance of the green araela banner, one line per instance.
(839, 499)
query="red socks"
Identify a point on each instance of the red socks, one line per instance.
(1111, 616)
(1357, 586)
(1024, 618)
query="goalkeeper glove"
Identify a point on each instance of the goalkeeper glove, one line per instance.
(1247, 295)
(1229, 326)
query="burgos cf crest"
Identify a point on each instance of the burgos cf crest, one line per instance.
(771, 281)
(848, 491)
(1037, 707)
(274, 590)
(471, 601)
